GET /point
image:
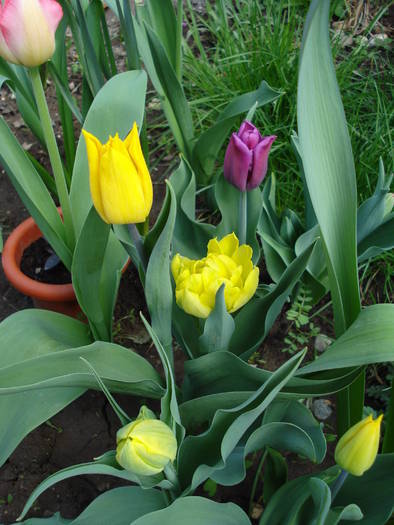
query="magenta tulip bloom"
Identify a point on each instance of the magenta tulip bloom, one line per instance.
(27, 30)
(246, 159)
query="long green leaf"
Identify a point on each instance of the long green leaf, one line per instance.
(173, 98)
(255, 319)
(200, 456)
(87, 275)
(194, 510)
(328, 162)
(24, 335)
(90, 468)
(158, 287)
(33, 192)
(370, 339)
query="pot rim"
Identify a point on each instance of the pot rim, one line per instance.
(25, 234)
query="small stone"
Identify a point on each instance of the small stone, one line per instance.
(321, 409)
(377, 39)
(257, 511)
(322, 342)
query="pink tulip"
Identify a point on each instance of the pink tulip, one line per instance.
(246, 159)
(27, 30)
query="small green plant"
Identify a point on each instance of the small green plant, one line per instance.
(301, 329)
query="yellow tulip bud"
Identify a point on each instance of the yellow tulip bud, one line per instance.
(356, 450)
(197, 281)
(120, 183)
(145, 446)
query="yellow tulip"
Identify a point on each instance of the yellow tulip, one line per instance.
(145, 446)
(197, 281)
(356, 450)
(120, 183)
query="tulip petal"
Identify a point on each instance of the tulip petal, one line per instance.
(94, 150)
(5, 51)
(128, 458)
(237, 162)
(26, 32)
(229, 244)
(53, 13)
(133, 145)
(120, 184)
(260, 162)
(192, 304)
(157, 438)
(248, 290)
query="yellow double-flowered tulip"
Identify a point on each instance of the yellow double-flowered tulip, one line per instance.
(120, 183)
(356, 450)
(145, 446)
(226, 263)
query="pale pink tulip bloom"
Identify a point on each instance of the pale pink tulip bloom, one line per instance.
(27, 30)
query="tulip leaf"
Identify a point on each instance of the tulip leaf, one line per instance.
(194, 510)
(95, 467)
(199, 456)
(368, 340)
(218, 328)
(118, 506)
(373, 492)
(380, 240)
(304, 500)
(328, 162)
(227, 197)
(23, 336)
(42, 349)
(207, 147)
(121, 369)
(255, 319)
(96, 271)
(162, 18)
(275, 473)
(33, 192)
(222, 380)
(158, 287)
(169, 403)
(170, 90)
(290, 427)
(190, 236)
(112, 111)
(371, 212)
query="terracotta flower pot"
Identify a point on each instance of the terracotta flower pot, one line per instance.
(56, 297)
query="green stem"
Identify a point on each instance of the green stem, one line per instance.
(338, 484)
(167, 498)
(388, 441)
(171, 474)
(54, 156)
(256, 480)
(138, 243)
(242, 216)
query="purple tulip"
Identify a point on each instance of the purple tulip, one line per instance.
(246, 159)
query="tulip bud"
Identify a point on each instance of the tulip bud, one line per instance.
(27, 30)
(120, 183)
(145, 446)
(356, 450)
(246, 159)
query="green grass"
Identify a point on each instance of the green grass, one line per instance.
(237, 44)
